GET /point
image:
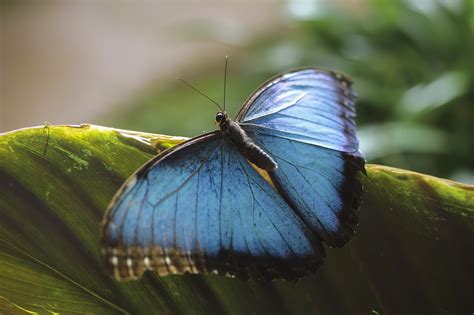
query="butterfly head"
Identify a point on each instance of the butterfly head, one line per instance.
(221, 119)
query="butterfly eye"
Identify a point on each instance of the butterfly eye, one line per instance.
(219, 117)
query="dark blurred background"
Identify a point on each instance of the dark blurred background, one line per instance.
(116, 63)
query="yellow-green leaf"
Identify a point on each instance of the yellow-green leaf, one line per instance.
(412, 252)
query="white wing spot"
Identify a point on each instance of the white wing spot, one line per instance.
(114, 261)
(146, 261)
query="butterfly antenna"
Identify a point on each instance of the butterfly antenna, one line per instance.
(195, 89)
(225, 77)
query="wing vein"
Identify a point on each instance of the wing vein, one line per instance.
(325, 201)
(221, 192)
(262, 244)
(304, 202)
(263, 208)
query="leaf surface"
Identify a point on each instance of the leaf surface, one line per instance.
(412, 252)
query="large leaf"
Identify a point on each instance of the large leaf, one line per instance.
(413, 251)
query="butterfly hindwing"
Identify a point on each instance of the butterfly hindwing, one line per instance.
(319, 183)
(201, 207)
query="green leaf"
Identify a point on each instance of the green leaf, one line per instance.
(412, 252)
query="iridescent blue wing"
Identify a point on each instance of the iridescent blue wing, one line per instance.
(311, 105)
(201, 207)
(305, 121)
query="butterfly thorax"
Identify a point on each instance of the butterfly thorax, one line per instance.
(244, 143)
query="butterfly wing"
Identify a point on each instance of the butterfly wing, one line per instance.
(201, 207)
(311, 105)
(305, 121)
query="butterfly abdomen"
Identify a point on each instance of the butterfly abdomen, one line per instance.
(249, 149)
(257, 156)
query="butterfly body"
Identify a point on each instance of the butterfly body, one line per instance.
(244, 143)
(203, 207)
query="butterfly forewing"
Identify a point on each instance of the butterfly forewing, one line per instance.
(203, 208)
(311, 105)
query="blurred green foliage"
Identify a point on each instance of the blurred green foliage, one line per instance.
(412, 63)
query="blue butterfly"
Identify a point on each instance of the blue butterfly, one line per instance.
(206, 206)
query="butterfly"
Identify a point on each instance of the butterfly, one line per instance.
(257, 197)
